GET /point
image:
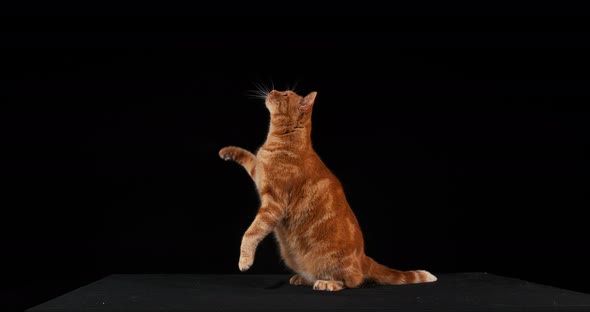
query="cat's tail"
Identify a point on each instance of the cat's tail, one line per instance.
(383, 275)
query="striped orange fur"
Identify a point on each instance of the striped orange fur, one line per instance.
(303, 203)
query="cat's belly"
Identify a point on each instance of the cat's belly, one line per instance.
(291, 252)
(305, 256)
(287, 251)
(292, 257)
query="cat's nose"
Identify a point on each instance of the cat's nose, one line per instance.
(273, 92)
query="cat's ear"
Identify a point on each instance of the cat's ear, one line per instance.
(307, 102)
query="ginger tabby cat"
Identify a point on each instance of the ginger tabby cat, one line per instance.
(304, 204)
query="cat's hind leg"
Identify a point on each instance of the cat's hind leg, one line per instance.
(241, 156)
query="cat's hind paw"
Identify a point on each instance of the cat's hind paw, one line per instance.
(328, 285)
(298, 280)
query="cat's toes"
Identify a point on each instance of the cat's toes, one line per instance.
(297, 280)
(328, 285)
(226, 153)
(245, 263)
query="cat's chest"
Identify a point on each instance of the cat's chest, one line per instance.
(277, 172)
(279, 161)
(277, 168)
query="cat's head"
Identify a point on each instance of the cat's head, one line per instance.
(290, 104)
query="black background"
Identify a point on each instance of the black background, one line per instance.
(460, 148)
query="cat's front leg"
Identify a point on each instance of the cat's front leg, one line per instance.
(239, 155)
(267, 218)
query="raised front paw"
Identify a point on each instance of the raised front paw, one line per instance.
(245, 262)
(228, 153)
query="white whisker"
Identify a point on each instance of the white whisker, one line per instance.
(293, 88)
(261, 91)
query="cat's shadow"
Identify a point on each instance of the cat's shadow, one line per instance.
(281, 284)
(276, 285)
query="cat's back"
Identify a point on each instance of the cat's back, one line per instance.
(318, 180)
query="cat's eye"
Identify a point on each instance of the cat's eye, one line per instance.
(285, 94)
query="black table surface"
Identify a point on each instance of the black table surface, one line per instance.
(248, 292)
